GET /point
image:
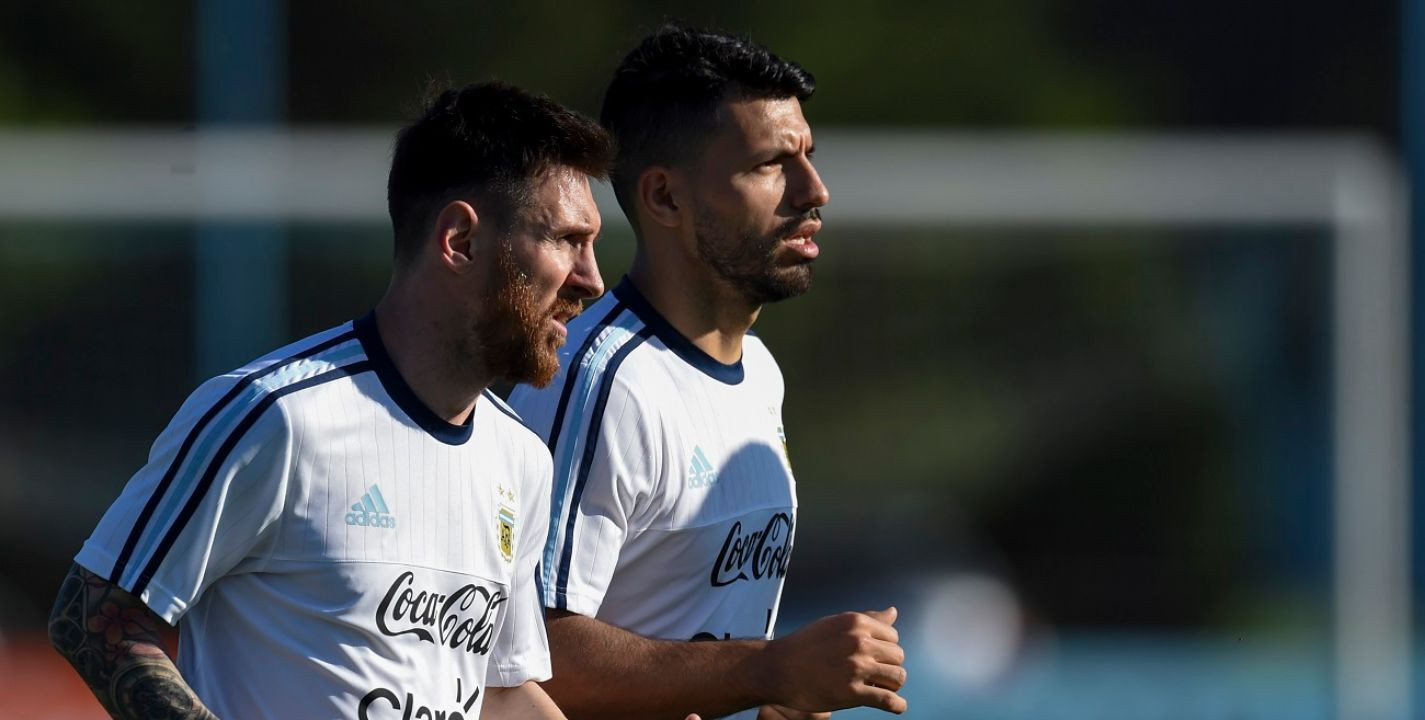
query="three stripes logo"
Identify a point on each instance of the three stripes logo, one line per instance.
(371, 511)
(701, 473)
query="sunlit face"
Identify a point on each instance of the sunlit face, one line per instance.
(542, 270)
(758, 198)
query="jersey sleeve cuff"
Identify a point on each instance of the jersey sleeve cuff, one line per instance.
(577, 603)
(159, 599)
(515, 674)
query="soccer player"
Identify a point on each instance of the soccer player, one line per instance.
(349, 526)
(674, 507)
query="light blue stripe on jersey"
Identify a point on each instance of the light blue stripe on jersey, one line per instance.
(221, 426)
(619, 332)
(380, 501)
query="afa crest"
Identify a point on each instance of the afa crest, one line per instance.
(506, 529)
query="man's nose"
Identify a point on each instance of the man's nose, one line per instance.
(584, 278)
(810, 191)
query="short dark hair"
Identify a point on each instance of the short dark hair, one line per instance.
(665, 95)
(488, 141)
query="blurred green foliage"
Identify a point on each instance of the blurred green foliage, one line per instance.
(982, 63)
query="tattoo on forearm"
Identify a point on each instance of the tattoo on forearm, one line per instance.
(112, 639)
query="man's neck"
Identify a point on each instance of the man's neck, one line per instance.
(419, 339)
(698, 305)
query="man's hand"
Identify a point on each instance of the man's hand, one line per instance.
(838, 662)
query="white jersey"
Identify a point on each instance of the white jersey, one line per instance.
(334, 548)
(673, 504)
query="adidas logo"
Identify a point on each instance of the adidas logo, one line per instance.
(371, 511)
(701, 473)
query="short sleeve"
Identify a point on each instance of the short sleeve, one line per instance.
(606, 466)
(521, 650)
(204, 504)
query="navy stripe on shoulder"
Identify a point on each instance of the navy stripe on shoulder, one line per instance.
(591, 441)
(575, 362)
(504, 407)
(221, 456)
(126, 554)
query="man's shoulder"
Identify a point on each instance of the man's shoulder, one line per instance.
(313, 344)
(507, 417)
(312, 361)
(599, 332)
(606, 342)
(628, 391)
(333, 347)
(755, 351)
(518, 437)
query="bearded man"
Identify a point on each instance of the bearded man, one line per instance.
(674, 506)
(349, 526)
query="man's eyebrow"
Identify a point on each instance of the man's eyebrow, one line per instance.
(786, 148)
(575, 229)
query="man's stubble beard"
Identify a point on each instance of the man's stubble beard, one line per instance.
(748, 261)
(512, 337)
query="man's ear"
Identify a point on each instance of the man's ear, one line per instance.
(455, 229)
(658, 192)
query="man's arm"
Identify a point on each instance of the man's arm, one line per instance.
(112, 639)
(525, 702)
(782, 712)
(522, 702)
(602, 671)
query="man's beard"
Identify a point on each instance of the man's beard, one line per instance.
(513, 336)
(748, 261)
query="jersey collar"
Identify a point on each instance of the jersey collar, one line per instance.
(681, 346)
(405, 397)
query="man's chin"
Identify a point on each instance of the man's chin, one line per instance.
(540, 382)
(539, 370)
(783, 284)
(537, 377)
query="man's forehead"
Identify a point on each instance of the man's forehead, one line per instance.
(561, 198)
(762, 119)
